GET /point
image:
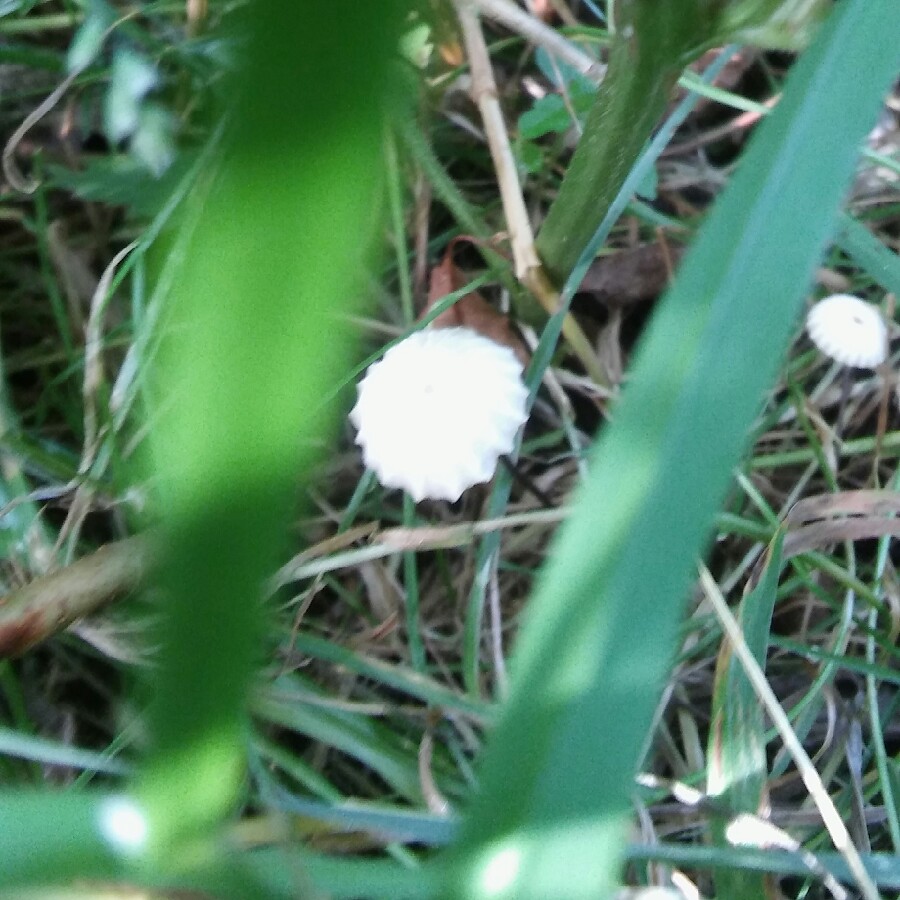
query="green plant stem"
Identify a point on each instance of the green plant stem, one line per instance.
(411, 584)
(654, 40)
(631, 101)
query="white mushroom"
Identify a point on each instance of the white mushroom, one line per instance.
(849, 330)
(438, 410)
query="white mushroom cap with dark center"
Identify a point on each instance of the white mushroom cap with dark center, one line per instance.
(849, 330)
(435, 414)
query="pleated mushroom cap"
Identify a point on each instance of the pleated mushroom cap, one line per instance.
(849, 330)
(436, 412)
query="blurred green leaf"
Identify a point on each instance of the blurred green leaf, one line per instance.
(152, 142)
(122, 181)
(547, 115)
(33, 853)
(780, 24)
(601, 629)
(529, 157)
(131, 80)
(880, 263)
(88, 40)
(254, 343)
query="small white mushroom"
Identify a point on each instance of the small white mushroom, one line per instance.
(438, 410)
(849, 330)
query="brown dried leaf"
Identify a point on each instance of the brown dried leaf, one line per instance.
(631, 276)
(845, 503)
(821, 534)
(472, 310)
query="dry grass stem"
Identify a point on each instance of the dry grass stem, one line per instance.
(10, 167)
(527, 263)
(484, 92)
(52, 602)
(830, 816)
(507, 13)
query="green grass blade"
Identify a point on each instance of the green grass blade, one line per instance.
(346, 879)
(602, 627)
(24, 746)
(869, 254)
(361, 737)
(411, 683)
(257, 341)
(75, 844)
(350, 878)
(387, 822)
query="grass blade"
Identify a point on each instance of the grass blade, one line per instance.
(255, 344)
(736, 771)
(869, 254)
(602, 626)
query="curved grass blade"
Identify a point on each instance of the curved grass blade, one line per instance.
(602, 627)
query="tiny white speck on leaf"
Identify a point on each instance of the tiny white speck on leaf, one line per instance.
(124, 824)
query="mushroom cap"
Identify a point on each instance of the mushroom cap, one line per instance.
(438, 410)
(849, 330)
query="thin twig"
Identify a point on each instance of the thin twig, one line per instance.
(93, 378)
(528, 265)
(507, 13)
(484, 92)
(11, 170)
(830, 816)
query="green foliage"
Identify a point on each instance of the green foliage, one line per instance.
(239, 356)
(123, 181)
(583, 697)
(257, 339)
(256, 343)
(785, 24)
(551, 113)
